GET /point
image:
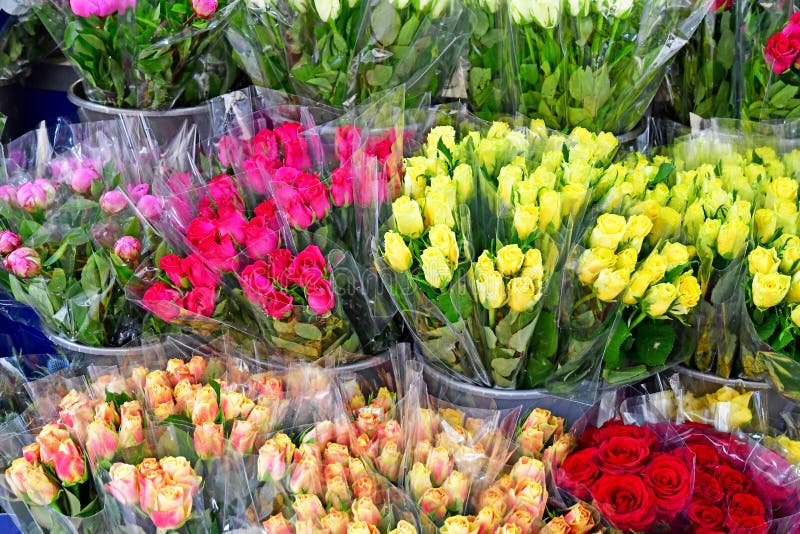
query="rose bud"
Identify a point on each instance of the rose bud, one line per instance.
(49, 439)
(271, 462)
(150, 206)
(31, 197)
(335, 453)
(494, 498)
(434, 504)
(558, 451)
(440, 465)
(531, 442)
(322, 434)
(365, 446)
(243, 436)
(231, 403)
(309, 450)
(557, 525)
(419, 480)
(23, 262)
(208, 441)
(205, 407)
(82, 179)
(179, 470)
(127, 248)
(337, 493)
(277, 524)
(197, 367)
(76, 412)
(356, 470)
(267, 386)
(204, 9)
(558, 423)
(39, 488)
(390, 431)
(130, 408)
(261, 419)
(8, 194)
(101, 441)
(365, 487)
(69, 464)
(307, 477)
(457, 525)
(9, 241)
(580, 519)
(307, 506)
(113, 202)
(388, 462)
(537, 418)
(131, 432)
(335, 522)
(384, 400)
(176, 371)
(48, 188)
(456, 486)
(172, 508)
(487, 520)
(124, 485)
(421, 451)
(521, 517)
(425, 425)
(160, 377)
(509, 528)
(107, 413)
(367, 422)
(158, 394)
(404, 527)
(334, 470)
(505, 483)
(138, 378)
(16, 474)
(285, 444)
(184, 393)
(362, 527)
(31, 453)
(531, 496)
(452, 416)
(150, 479)
(528, 469)
(306, 527)
(365, 510)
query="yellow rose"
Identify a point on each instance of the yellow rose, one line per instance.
(523, 294)
(763, 260)
(675, 254)
(509, 177)
(754, 172)
(707, 237)
(445, 134)
(573, 199)
(656, 264)
(791, 161)
(731, 239)
(766, 222)
(580, 134)
(414, 181)
(498, 130)
(687, 177)
(443, 238)
(526, 220)
(770, 289)
(491, 289)
(444, 184)
(693, 220)
(796, 315)
(741, 211)
(487, 153)
(485, 264)
(509, 259)
(689, 293)
(610, 283)
(636, 229)
(527, 191)
(605, 146)
(659, 194)
(437, 209)
(532, 266)
(592, 261)
(782, 188)
(549, 210)
(666, 226)
(543, 177)
(407, 217)
(659, 298)
(626, 259)
(679, 197)
(614, 174)
(640, 281)
(462, 176)
(608, 231)
(397, 254)
(435, 267)
(552, 160)
(793, 296)
(539, 128)
(786, 216)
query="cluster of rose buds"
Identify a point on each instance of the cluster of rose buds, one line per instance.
(577, 520)
(538, 431)
(518, 498)
(378, 433)
(22, 262)
(163, 489)
(111, 431)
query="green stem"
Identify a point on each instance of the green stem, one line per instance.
(492, 313)
(642, 316)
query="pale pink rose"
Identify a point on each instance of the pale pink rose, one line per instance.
(365, 510)
(528, 469)
(113, 202)
(336, 453)
(335, 522)
(433, 504)
(456, 486)
(127, 248)
(419, 480)
(101, 441)
(197, 366)
(124, 485)
(107, 413)
(271, 462)
(31, 197)
(205, 407)
(173, 506)
(389, 460)
(307, 477)
(204, 9)
(277, 524)
(131, 432)
(48, 188)
(8, 194)
(243, 436)
(31, 453)
(337, 492)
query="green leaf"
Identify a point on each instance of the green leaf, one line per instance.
(118, 399)
(379, 75)
(654, 342)
(766, 329)
(505, 366)
(784, 338)
(385, 23)
(308, 331)
(591, 89)
(663, 174)
(612, 357)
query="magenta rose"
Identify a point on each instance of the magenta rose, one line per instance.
(221, 255)
(320, 297)
(310, 258)
(295, 155)
(265, 144)
(204, 9)
(288, 132)
(279, 306)
(267, 210)
(163, 301)
(342, 187)
(82, 179)
(314, 193)
(150, 206)
(346, 141)
(781, 52)
(286, 175)
(23, 262)
(201, 232)
(280, 262)
(200, 301)
(223, 190)
(260, 238)
(256, 282)
(172, 266)
(31, 197)
(98, 8)
(136, 192)
(197, 272)
(297, 212)
(9, 241)
(232, 223)
(229, 150)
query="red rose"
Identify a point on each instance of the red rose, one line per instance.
(314, 193)
(747, 525)
(296, 155)
(706, 515)
(288, 132)
(382, 149)
(707, 488)
(163, 301)
(620, 455)
(320, 297)
(310, 258)
(197, 272)
(626, 501)
(200, 301)
(267, 210)
(280, 261)
(670, 479)
(731, 480)
(201, 233)
(615, 428)
(705, 456)
(279, 305)
(171, 265)
(781, 52)
(578, 473)
(742, 508)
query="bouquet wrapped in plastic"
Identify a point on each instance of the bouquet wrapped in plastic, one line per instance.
(596, 64)
(138, 54)
(23, 42)
(71, 240)
(489, 53)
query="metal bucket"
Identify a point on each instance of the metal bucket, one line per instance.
(88, 355)
(459, 393)
(165, 125)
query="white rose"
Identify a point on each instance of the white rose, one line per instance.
(328, 10)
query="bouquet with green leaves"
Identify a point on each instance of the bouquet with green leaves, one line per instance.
(596, 64)
(23, 40)
(138, 54)
(489, 50)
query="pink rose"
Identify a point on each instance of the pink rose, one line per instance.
(127, 248)
(200, 301)
(310, 258)
(260, 238)
(162, 300)
(288, 132)
(286, 175)
(31, 197)
(204, 9)
(232, 223)
(197, 272)
(172, 266)
(280, 261)
(256, 282)
(320, 297)
(222, 189)
(201, 232)
(259, 170)
(347, 140)
(150, 206)
(48, 188)
(279, 306)
(82, 179)
(99, 8)
(136, 192)
(292, 204)
(62, 167)
(112, 202)
(315, 194)
(221, 256)
(9, 241)
(8, 194)
(342, 187)
(23, 262)
(265, 143)
(229, 151)
(296, 155)
(781, 52)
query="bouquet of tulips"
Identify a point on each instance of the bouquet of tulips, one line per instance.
(596, 64)
(71, 241)
(139, 54)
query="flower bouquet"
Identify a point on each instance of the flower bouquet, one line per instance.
(341, 53)
(137, 54)
(596, 64)
(23, 42)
